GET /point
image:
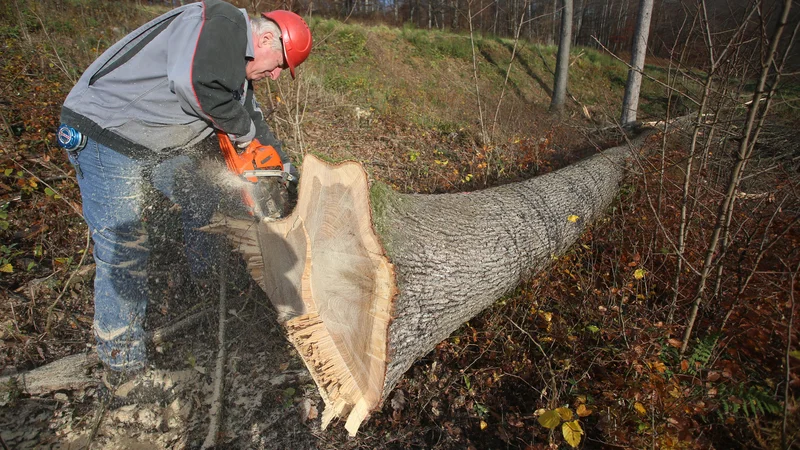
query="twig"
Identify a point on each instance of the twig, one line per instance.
(752, 127)
(98, 419)
(25, 34)
(788, 358)
(66, 285)
(74, 208)
(161, 335)
(63, 66)
(7, 128)
(215, 412)
(508, 71)
(484, 136)
(552, 374)
(553, 73)
(659, 82)
(3, 443)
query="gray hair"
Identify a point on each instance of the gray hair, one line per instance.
(261, 25)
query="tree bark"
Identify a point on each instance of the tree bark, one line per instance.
(630, 102)
(562, 59)
(578, 26)
(369, 280)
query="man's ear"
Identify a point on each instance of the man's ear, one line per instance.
(265, 40)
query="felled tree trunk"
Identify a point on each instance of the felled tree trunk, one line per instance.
(369, 281)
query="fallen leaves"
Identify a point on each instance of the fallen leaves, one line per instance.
(572, 432)
(564, 413)
(583, 411)
(570, 429)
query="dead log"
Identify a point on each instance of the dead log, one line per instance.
(369, 280)
(66, 374)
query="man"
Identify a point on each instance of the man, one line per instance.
(127, 125)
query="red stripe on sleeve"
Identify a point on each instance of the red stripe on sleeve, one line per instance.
(191, 69)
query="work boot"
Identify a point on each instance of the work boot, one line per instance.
(125, 388)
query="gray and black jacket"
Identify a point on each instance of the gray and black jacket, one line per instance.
(168, 84)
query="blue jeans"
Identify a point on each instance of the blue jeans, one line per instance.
(113, 189)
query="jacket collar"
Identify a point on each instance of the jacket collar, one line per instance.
(250, 52)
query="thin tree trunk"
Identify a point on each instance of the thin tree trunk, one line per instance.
(687, 179)
(22, 25)
(372, 280)
(517, 32)
(746, 145)
(622, 17)
(562, 59)
(430, 14)
(484, 135)
(788, 360)
(530, 24)
(496, 16)
(604, 33)
(581, 12)
(630, 102)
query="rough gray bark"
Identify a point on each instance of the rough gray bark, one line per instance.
(456, 254)
(630, 102)
(562, 59)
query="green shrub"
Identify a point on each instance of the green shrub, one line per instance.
(439, 45)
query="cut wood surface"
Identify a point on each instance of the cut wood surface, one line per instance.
(369, 281)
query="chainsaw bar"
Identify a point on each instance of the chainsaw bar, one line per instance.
(270, 198)
(268, 173)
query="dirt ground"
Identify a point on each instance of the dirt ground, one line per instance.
(270, 401)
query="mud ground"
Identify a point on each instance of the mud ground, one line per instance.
(270, 401)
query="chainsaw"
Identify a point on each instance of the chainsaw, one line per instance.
(260, 166)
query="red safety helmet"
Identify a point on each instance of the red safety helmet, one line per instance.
(295, 35)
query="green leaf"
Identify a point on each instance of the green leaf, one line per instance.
(49, 192)
(31, 265)
(550, 419)
(289, 392)
(795, 354)
(8, 172)
(3, 225)
(572, 432)
(639, 274)
(593, 328)
(7, 268)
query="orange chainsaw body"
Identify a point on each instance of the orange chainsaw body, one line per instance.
(253, 158)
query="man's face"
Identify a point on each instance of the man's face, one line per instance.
(267, 61)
